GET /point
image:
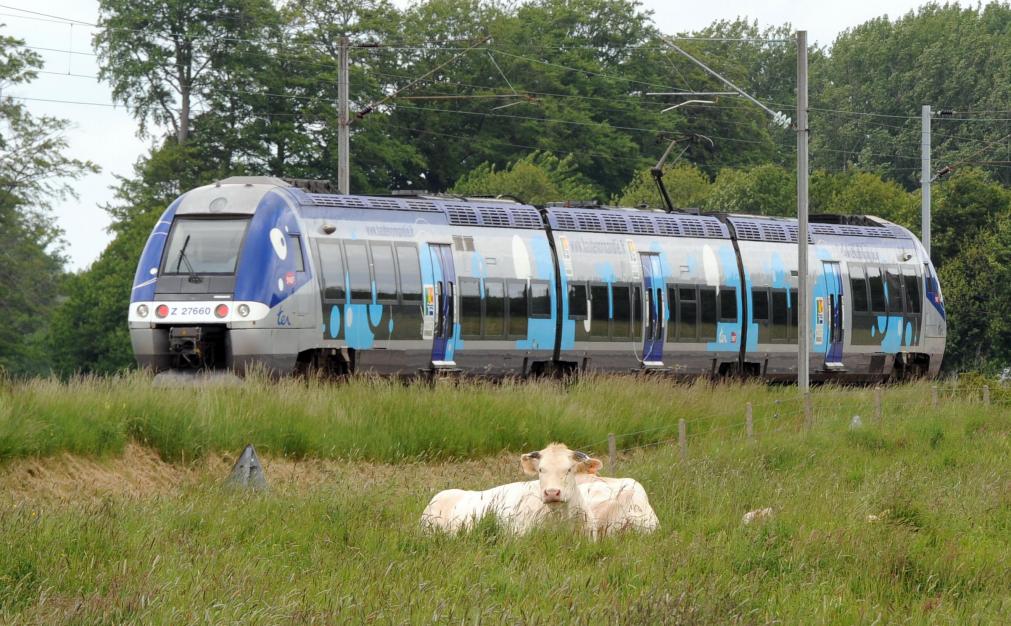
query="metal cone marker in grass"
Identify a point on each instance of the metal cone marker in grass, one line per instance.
(247, 473)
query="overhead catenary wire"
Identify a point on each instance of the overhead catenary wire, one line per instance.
(71, 21)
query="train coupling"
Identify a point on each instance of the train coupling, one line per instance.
(195, 346)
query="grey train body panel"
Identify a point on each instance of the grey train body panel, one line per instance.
(254, 272)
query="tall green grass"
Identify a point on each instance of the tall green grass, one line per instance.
(388, 421)
(349, 550)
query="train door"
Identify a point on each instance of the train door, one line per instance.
(439, 303)
(653, 312)
(832, 310)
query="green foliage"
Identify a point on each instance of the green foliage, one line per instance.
(537, 178)
(966, 206)
(949, 55)
(686, 185)
(34, 171)
(863, 193)
(763, 189)
(979, 333)
(153, 55)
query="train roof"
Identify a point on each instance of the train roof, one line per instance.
(581, 217)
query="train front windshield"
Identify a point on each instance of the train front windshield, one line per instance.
(204, 246)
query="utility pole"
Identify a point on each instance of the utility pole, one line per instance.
(925, 180)
(344, 122)
(803, 293)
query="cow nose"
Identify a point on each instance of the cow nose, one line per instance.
(552, 494)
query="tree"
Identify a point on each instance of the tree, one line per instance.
(160, 56)
(863, 193)
(965, 206)
(763, 190)
(979, 332)
(34, 171)
(536, 178)
(884, 71)
(686, 185)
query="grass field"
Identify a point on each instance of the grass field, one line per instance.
(111, 510)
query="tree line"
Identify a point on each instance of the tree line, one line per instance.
(544, 100)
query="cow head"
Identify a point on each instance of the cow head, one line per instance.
(556, 468)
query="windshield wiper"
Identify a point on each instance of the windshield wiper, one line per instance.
(183, 258)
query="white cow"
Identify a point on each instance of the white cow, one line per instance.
(517, 506)
(567, 486)
(618, 503)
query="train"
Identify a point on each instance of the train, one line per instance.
(280, 275)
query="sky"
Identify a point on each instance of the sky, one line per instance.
(106, 135)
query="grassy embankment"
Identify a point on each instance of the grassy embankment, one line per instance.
(386, 421)
(337, 540)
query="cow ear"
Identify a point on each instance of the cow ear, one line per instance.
(529, 463)
(591, 466)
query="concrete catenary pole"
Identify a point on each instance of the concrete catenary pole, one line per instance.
(803, 293)
(925, 180)
(344, 121)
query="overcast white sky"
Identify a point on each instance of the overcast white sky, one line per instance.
(107, 136)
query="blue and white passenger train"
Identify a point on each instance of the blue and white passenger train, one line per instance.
(259, 271)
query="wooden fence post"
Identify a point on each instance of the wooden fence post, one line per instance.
(877, 403)
(986, 394)
(612, 449)
(808, 413)
(934, 400)
(749, 424)
(683, 438)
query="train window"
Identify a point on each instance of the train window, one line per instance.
(358, 271)
(672, 302)
(894, 283)
(540, 299)
(202, 246)
(518, 308)
(331, 264)
(577, 301)
(780, 315)
(385, 272)
(791, 333)
(410, 272)
(912, 285)
(295, 249)
(622, 311)
(470, 308)
(688, 311)
(707, 313)
(600, 311)
(728, 304)
(877, 289)
(494, 308)
(858, 287)
(637, 317)
(760, 305)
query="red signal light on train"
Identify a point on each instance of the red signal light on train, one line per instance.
(221, 310)
(161, 311)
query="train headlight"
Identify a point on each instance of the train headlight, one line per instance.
(221, 311)
(243, 310)
(161, 311)
(142, 310)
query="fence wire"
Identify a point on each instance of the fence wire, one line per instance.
(825, 409)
